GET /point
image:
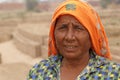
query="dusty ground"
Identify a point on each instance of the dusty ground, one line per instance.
(14, 71)
(15, 64)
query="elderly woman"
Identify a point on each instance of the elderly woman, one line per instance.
(78, 47)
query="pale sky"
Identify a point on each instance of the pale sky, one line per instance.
(2, 1)
(11, 0)
(22, 0)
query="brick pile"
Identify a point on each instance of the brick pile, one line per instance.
(32, 39)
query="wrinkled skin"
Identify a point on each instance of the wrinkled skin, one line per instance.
(72, 39)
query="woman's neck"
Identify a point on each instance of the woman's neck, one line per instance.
(78, 62)
(71, 68)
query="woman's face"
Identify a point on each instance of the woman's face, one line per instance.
(71, 38)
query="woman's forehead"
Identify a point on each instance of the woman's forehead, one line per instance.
(67, 17)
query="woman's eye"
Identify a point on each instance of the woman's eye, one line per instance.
(62, 27)
(78, 28)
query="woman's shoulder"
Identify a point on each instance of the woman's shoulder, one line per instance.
(109, 64)
(43, 68)
(112, 65)
(105, 68)
(45, 63)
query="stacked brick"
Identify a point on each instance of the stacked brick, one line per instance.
(32, 39)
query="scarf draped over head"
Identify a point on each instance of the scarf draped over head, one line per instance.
(89, 18)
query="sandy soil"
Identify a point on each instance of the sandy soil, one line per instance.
(15, 64)
(14, 71)
(13, 55)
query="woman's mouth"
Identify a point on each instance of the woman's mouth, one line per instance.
(70, 48)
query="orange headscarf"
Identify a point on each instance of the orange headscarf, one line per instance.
(87, 17)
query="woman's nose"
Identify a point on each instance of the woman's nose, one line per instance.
(70, 34)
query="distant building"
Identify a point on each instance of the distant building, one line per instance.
(43, 5)
(94, 2)
(48, 5)
(12, 6)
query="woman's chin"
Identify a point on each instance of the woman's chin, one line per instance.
(70, 56)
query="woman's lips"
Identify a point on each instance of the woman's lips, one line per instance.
(70, 48)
